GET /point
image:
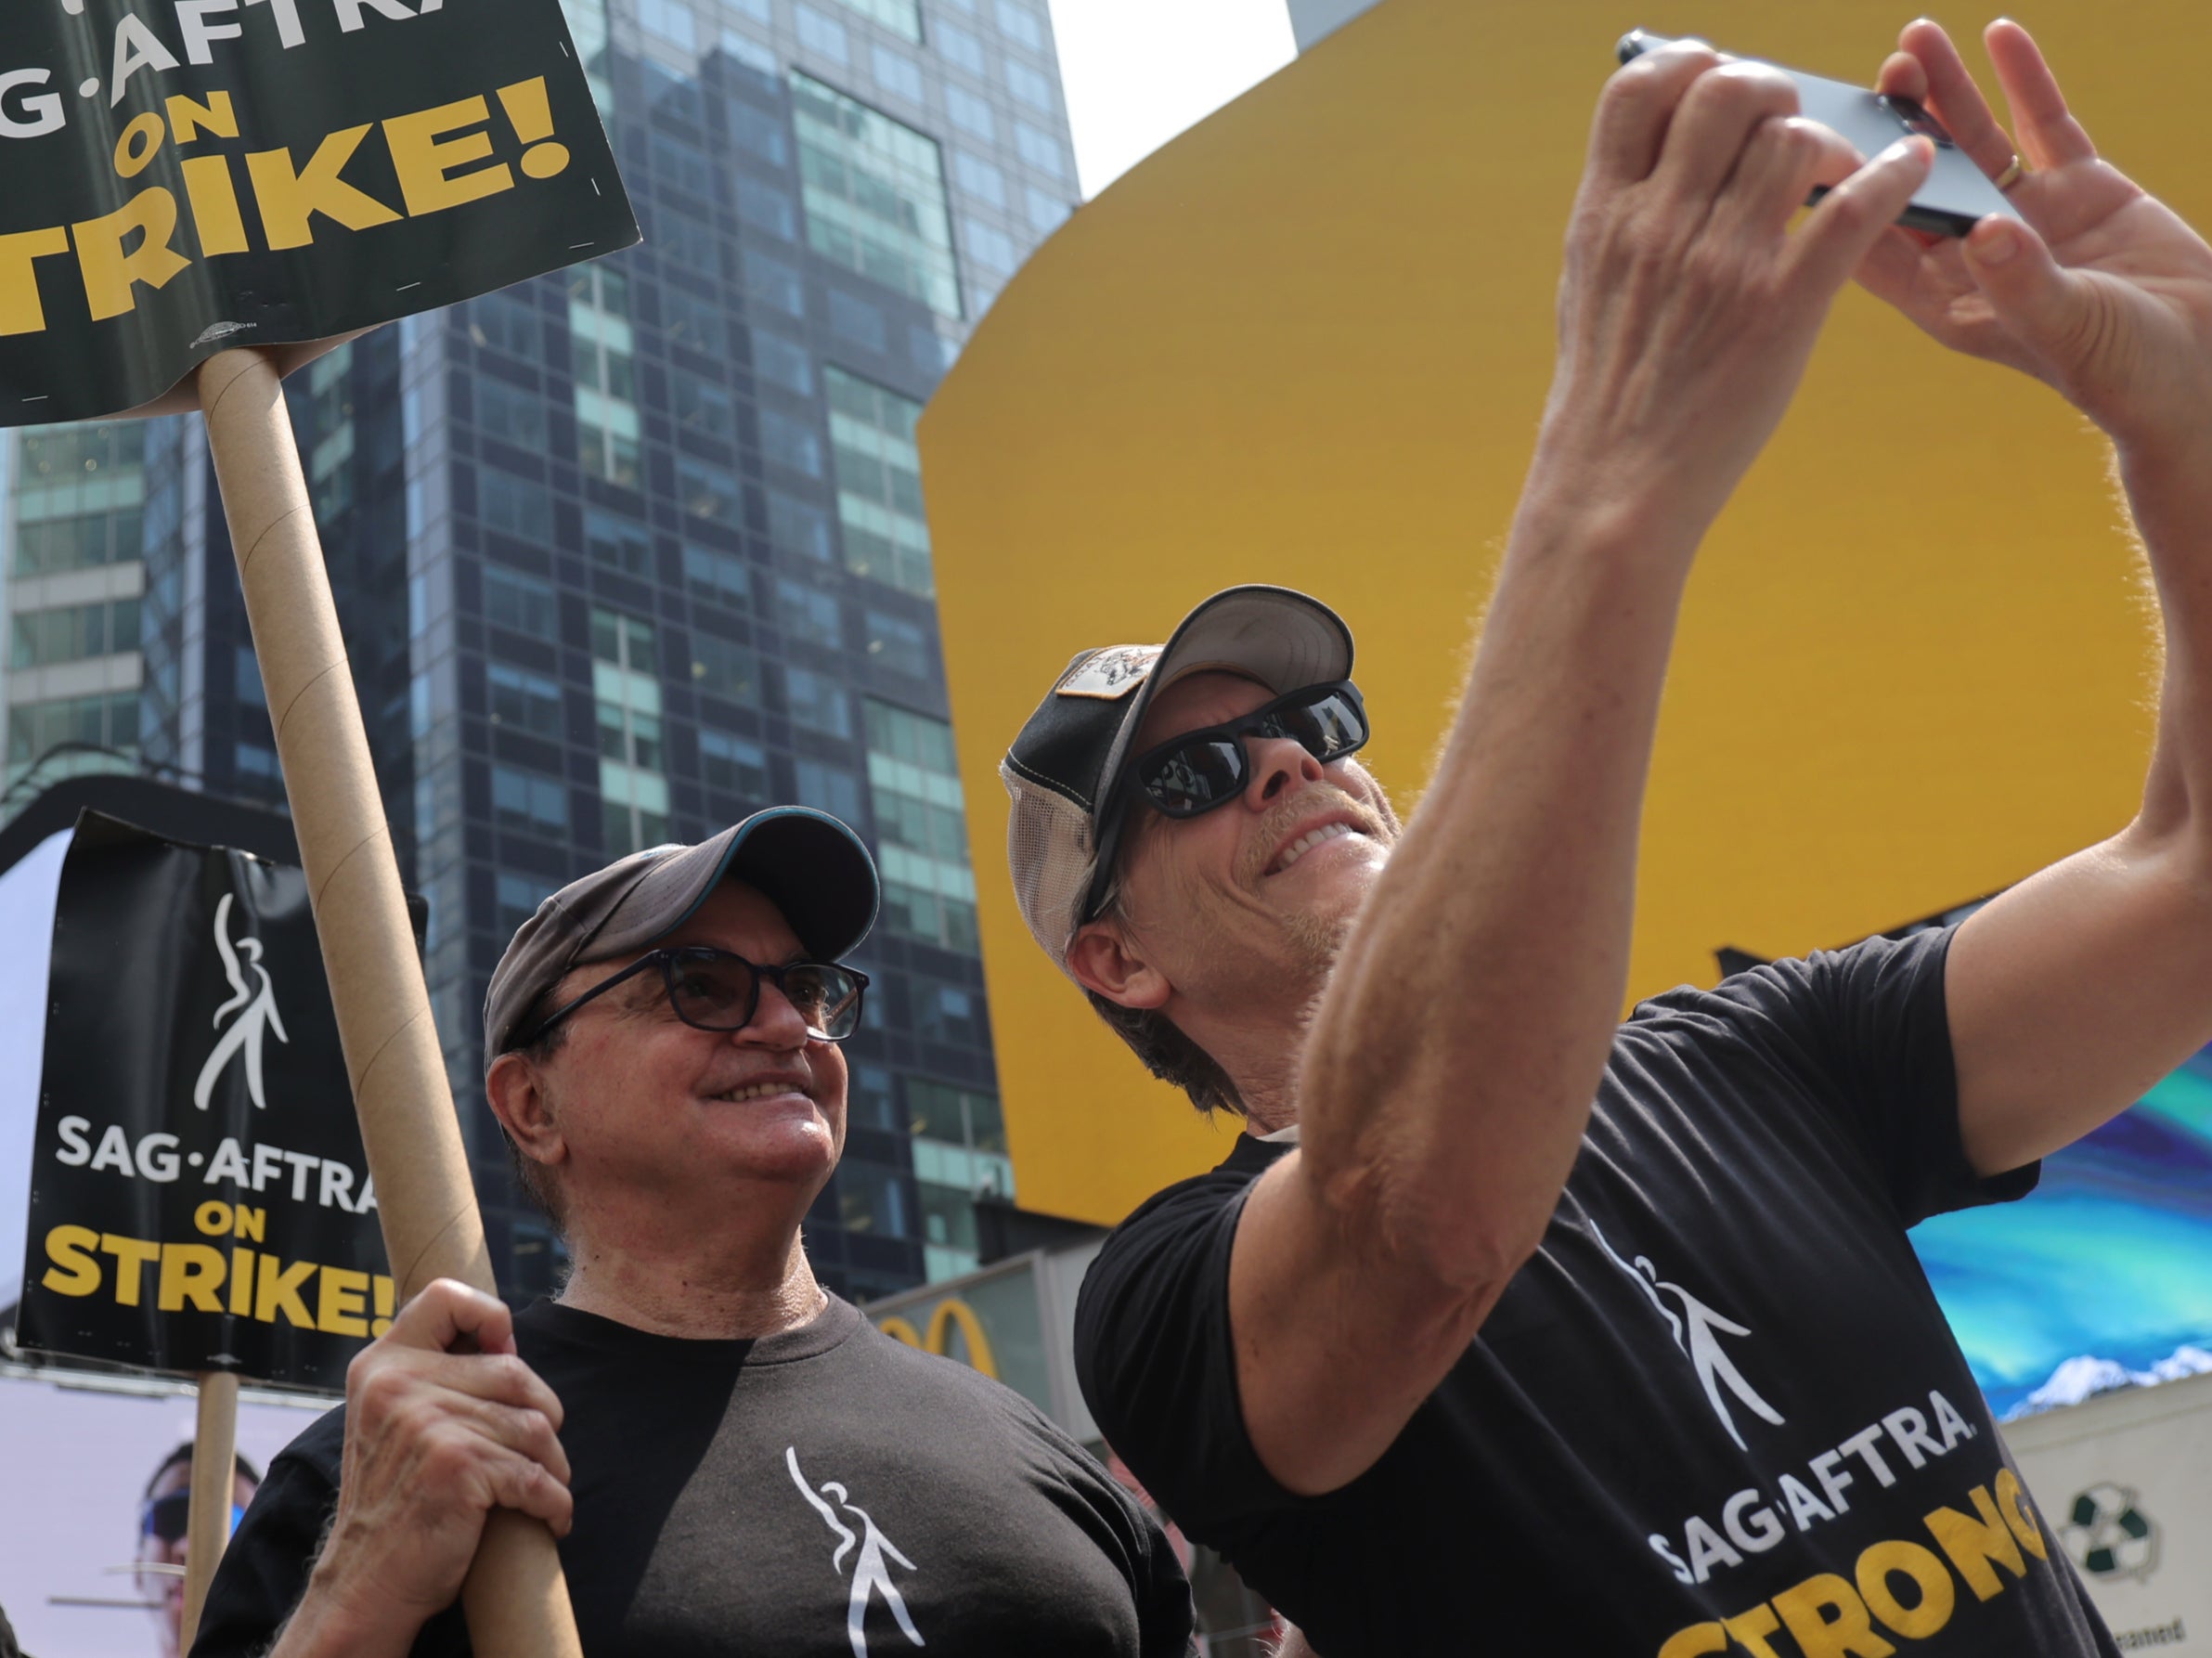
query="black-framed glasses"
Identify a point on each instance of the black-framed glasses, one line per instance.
(1199, 771)
(712, 990)
(166, 1517)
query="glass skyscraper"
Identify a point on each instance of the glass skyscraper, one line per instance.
(626, 552)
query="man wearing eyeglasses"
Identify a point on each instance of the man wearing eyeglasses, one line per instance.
(164, 1514)
(734, 1458)
(1508, 1328)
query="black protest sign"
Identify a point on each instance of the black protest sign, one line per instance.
(182, 177)
(199, 1196)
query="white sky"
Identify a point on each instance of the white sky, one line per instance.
(1139, 71)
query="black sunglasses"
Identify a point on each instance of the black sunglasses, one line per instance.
(712, 990)
(1200, 770)
(165, 1517)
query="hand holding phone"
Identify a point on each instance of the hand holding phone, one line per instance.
(1957, 196)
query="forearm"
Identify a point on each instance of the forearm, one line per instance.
(337, 1618)
(2169, 495)
(1454, 1058)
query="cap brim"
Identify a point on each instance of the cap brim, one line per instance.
(809, 865)
(1278, 636)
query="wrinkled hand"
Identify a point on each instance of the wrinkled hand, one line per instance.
(2108, 299)
(1689, 305)
(434, 1439)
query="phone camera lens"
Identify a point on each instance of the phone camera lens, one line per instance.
(1917, 120)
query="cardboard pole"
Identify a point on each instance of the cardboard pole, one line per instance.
(516, 1598)
(215, 1454)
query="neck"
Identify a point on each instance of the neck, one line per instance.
(1260, 1050)
(731, 1286)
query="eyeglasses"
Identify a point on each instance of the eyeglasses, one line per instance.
(1200, 770)
(712, 990)
(166, 1517)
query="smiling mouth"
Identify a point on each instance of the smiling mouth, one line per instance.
(759, 1091)
(1306, 842)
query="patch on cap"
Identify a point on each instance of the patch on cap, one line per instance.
(1111, 674)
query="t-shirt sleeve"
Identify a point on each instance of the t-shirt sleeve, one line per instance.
(1867, 1030)
(1156, 1362)
(265, 1566)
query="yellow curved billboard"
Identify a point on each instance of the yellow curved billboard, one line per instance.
(1308, 343)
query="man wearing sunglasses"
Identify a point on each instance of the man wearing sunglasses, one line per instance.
(164, 1513)
(1510, 1327)
(734, 1458)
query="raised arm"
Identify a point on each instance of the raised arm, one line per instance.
(1452, 1063)
(2076, 990)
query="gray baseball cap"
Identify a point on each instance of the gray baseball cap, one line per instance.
(809, 865)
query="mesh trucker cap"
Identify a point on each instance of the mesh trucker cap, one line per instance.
(1065, 769)
(808, 864)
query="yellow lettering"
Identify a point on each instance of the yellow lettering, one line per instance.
(278, 1290)
(241, 1282)
(191, 1273)
(1751, 1628)
(213, 1218)
(425, 161)
(108, 272)
(214, 199)
(381, 1287)
(138, 143)
(133, 1255)
(1931, 1609)
(75, 1269)
(1972, 1544)
(1695, 1641)
(188, 120)
(2017, 1516)
(1849, 1634)
(289, 200)
(340, 1301)
(20, 312)
(253, 1225)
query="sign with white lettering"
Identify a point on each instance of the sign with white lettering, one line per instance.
(199, 1198)
(188, 175)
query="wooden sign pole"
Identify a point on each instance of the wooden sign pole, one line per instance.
(516, 1598)
(214, 1456)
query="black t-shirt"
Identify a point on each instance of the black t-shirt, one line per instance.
(821, 1493)
(1719, 1410)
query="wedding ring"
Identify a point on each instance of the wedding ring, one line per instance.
(2014, 172)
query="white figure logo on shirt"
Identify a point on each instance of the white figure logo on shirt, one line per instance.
(1697, 1329)
(255, 1004)
(869, 1572)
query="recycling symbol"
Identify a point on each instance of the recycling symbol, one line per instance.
(2108, 1535)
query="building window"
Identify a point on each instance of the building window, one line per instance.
(773, 282)
(245, 678)
(947, 1013)
(604, 349)
(879, 483)
(529, 801)
(963, 1116)
(791, 442)
(523, 701)
(1041, 149)
(519, 602)
(506, 322)
(810, 613)
(979, 178)
(758, 133)
(511, 415)
(819, 33)
(618, 542)
(330, 462)
(682, 165)
(514, 506)
(1022, 24)
(901, 17)
(767, 209)
(704, 406)
(897, 73)
(1047, 212)
(80, 495)
(913, 784)
(709, 491)
(670, 20)
(872, 1199)
(722, 668)
(517, 899)
(899, 645)
(971, 114)
(798, 526)
(40, 636)
(1030, 86)
(817, 702)
(830, 789)
(733, 766)
(782, 362)
(256, 760)
(959, 46)
(856, 320)
(987, 246)
(633, 785)
(960, 1154)
(722, 576)
(101, 721)
(875, 192)
(693, 323)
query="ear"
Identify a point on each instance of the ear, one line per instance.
(1103, 960)
(516, 1090)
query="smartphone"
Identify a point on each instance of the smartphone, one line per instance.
(1955, 196)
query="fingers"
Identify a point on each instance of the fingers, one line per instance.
(1954, 98)
(1901, 76)
(518, 1483)
(526, 1432)
(1852, 218)
(1636, 106)
(497, 1379)
(445, 1312)
(1779, 166)
(1715, 123)
(2048, 134)
(2038, 300)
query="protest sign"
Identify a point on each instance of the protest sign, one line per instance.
(199, 1196)
(186, 177)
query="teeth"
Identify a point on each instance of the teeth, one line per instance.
(1306, 842)
(757, 1091)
